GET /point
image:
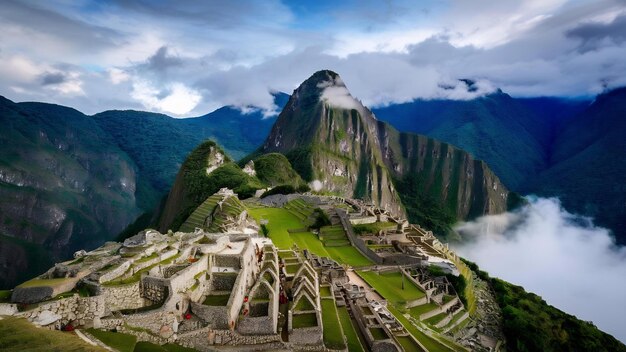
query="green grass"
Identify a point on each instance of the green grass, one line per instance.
(408, 344)
(116, 340)
(145, 259)
(137, 276)
(325, 291)
(431, 344)
(373, 228)
(333, 335)
(216, 300)
(348, 255)
(389, 286)
(424, 308)
(17, 335)
(354, 344)
(379, 333)
(5, 295)
(306, 320)
(281, 220)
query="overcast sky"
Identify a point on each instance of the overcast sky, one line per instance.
(187, 58)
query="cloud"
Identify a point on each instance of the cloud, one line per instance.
(594, 34)
(53, 78)
(177, 99)
(336, 94)
(162, 60)
(235, 53)
(118, 76)
(562, 257)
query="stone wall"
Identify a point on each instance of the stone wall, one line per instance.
(223, 281)
(228, 261)
(123, 296)
(115, 272)
(8, 308)
(363, 220)
(154, 289)
(184, 279)
(216, 316)
(206, 339)
(264, 325)
(82, 311)
(355, 240)
(159, 321)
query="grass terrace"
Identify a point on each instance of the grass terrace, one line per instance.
(354, 344)
(306, 320)
(197, 218)
(216, 300)
(325, 291)
(424, 308)
(333, 335)
(379, 333)
(373, 228)
(116, 340)
(280, 221)
(430, 343)
(389, 285)
(17, 335)
(408, 344)
(300, 209)
(137, 276)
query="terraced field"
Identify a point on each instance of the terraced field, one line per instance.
(197, 218)
(286, 229)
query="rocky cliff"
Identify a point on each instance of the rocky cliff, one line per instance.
(340, 147)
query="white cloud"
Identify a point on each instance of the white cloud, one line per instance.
(177, 99)
(562, 257)
(118, 76)
(336, 94)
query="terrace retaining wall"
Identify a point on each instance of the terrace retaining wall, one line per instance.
(123, 296)
(355, 241)
(82, 311)
(115, 272)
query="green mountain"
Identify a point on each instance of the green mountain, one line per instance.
(160, 143)
(547, 146)
(207, 169)
(587, 167)
(64, 185)
(70, 181)
(337, 144)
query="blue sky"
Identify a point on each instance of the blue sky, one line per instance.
(187, 58)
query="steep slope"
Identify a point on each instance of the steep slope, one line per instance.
(492, 128)
(64, 185)
(588, 171)
(160, 143)
(332, 138)
(207, 169)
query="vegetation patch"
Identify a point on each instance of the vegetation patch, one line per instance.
(333, 335)
(17, 335)
(305, 320)
(116, 340)
(216, 300)
(389, 285)
(354, 344)
(373, 228)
